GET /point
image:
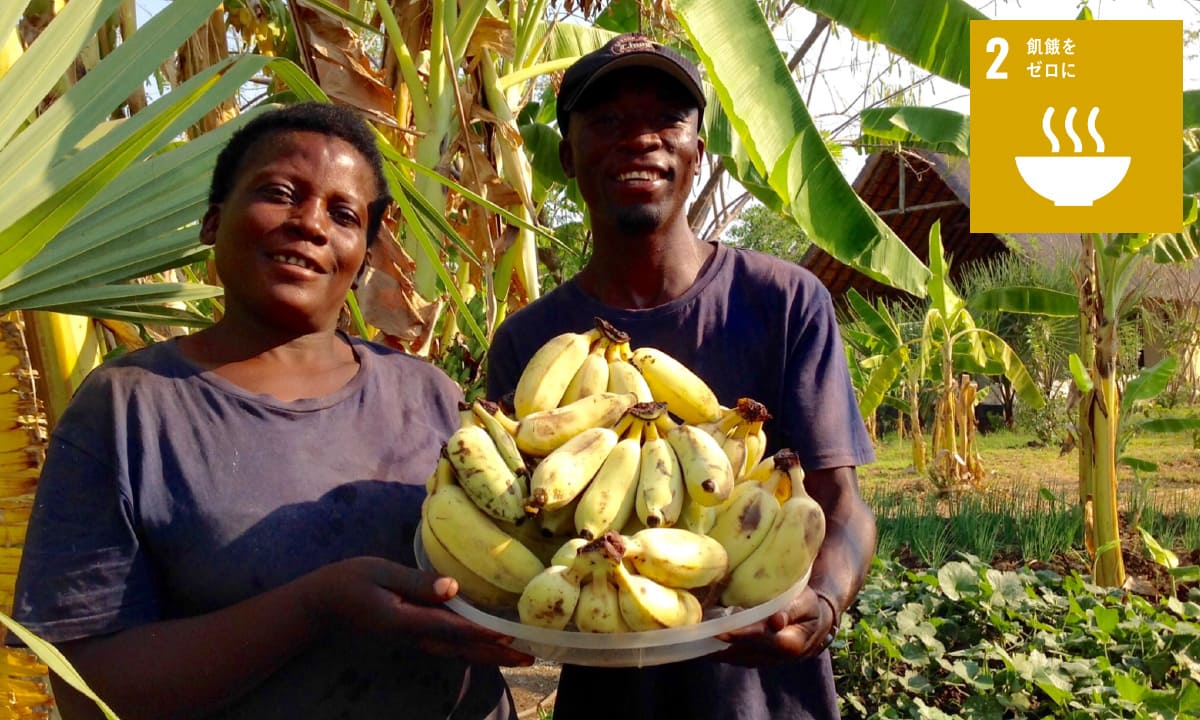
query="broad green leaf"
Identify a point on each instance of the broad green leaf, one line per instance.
(1149, 383)
(1138, 464)
(1083, 377)
(33, 230)
(1169, 425)
(86, 105)
(932, 128)
(1189, 574)
(1191, 109)
(1026, 300)
(886, 332)
(764, 107)
(57, 663)
(932, 34)
(941, 294)
(882, 380)
(1191, 173)
(1179, 247)
(541, 147)
(39, 68)
(1161, 555)
(1010, 365)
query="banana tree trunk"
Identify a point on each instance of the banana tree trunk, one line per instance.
(63, 349)
(1098, 422)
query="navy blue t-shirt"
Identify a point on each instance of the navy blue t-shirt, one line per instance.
(751, 326)
(170, 492)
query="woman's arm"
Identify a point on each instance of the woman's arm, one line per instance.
(191, 667)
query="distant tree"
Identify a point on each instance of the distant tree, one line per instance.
(759, 228)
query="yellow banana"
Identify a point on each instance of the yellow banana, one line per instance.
(549, 599)
(487, 414)
(549, 371)
(756, 447)
(648, 605)
(784, 556)
(591, 377)
(540, 433)
(442, 475)
(560, 522)
(470, 585)
(599, 607)
(476, 542)
(563, 474)
(785, 471)
(744, 521)
(706, 469)
(661, 490)
(697, 518)
(686, 395)
(483, 474)
(734, 447)
(566, 554)
(608, 501)
(676, 557)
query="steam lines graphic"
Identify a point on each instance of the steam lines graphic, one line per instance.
(1069, 126)
(1072, 180)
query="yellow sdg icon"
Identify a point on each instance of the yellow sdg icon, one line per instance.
(1076, 126)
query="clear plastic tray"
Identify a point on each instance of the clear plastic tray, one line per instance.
(632, 649)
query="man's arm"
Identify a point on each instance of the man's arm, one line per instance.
(838, 573)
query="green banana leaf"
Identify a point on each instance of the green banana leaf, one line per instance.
(882, 380)
(1169, 425)
(40, 67)
(885, 332)
(84, 210)
(1013, 368)
(1026, 300)
(932, 34)
(765, 109)
(1148, 384)
(30, 158)
(1191, 173)
(930, 128)
(1191, 109)
(941, 294)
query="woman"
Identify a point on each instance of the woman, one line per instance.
(224, 524)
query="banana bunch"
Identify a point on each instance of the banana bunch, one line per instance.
(740, 434)
(492, 568)
(596, 589)
(614, 492)
(786, 551)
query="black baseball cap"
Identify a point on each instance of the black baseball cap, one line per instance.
(628, 50)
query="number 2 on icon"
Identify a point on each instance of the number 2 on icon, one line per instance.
(1000, 47)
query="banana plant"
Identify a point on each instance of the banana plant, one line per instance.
(776, 150)
(950, 344)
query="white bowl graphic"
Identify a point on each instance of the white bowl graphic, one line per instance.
(1073, 180)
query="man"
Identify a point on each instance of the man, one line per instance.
(750, 325)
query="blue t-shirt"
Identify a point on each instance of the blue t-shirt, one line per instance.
(170, 492)
(751, 326)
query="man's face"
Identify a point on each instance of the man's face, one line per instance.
(634, 147)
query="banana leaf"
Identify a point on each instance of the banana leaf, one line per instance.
(884, 329)
(28, 158)
(931, 128)
(1191, 173)
(1191, 109)
(882, 380)
(1148, 384)
(764, 107)
(1169, 425)
(1026, 300)
(40, 67)
(932, 34)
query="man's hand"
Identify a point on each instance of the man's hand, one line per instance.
(373, 596)
(800, 631)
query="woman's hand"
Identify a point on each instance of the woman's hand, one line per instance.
(802, 630)
(373, 596)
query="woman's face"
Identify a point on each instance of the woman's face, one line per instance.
(291, 236)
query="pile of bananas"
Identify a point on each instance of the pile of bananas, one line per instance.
(621, 497)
